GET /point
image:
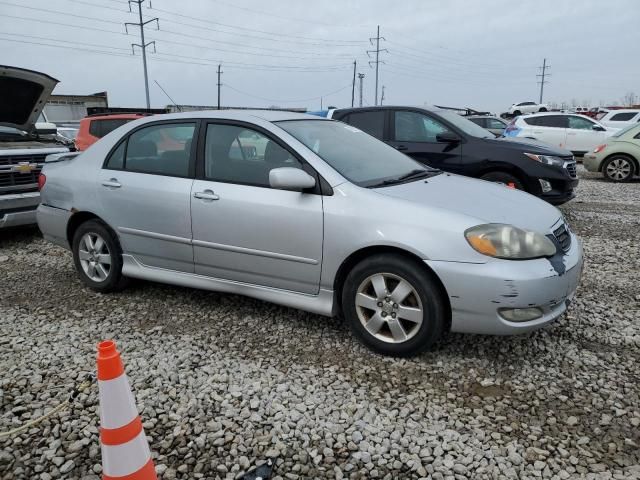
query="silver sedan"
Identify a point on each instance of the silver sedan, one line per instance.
(313, 214)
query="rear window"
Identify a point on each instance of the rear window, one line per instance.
(100, 128)
(623, 117)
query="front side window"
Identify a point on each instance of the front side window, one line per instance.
(237, 154)
(416, 127)
(554, 121)
(163, 149)
(623, 117)
(495, 123)
(370, 122)
(580, 123)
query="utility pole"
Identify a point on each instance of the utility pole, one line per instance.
(377, 61)
(382, 95)
(361, 77)
(320, 103)
(143, 46)
(544, 74)
(353, 85)
(220, 72)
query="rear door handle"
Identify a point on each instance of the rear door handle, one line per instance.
(401, 147)
(111, 183)
(206, 195)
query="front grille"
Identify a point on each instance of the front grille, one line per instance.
(562, 235)
(18, 181)
(571, 168)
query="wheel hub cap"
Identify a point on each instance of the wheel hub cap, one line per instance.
(95, 257)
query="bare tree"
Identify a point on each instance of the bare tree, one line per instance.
(574, 102)
(629, 99)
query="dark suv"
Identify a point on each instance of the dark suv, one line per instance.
(445, 140)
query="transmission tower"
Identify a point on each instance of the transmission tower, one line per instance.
(143, 46)
(542, 76)
(377, 61)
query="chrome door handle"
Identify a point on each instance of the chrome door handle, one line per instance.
(206, 195)
(112, 183)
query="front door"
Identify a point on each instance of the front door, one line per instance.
(581, 137)
(246, 231)
(415, 134)
(144, 191)
(551, 129)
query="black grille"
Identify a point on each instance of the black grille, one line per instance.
(21, 181)
(571, 168)
(562, 235)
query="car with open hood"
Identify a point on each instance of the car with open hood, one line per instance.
(23, 148)
(324, 218)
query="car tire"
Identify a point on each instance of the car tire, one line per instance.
(542, 109)
(618, 168)
(503, 177)
(516, 113)
(97, 257)
(393, 305)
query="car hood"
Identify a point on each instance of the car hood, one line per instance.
(23, 94)
(529, 145)
(486, 202)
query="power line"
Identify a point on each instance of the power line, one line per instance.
(45, 10)
(377, 38)
(288, 101)
(143, 46)
(544, 73)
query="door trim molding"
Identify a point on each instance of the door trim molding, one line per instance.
(251, 251)
(154, 235)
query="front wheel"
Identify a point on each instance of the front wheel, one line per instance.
(96, 255)
(393, 305)
(505, 178)
(542, 109)
(618, 168)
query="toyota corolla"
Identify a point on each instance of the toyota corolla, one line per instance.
(324, 218)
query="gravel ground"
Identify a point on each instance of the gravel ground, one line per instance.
(223, 382)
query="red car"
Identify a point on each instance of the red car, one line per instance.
(94, 127)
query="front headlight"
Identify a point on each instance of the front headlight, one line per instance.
(546, 159)
(509, 242)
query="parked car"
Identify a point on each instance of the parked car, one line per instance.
(495, 125)
(620, 118)
(94, 127)
(329, 220)
(23, 147)
(443, 139)
(527, 107)
(576, 133)
(68, 132)
(619, 158)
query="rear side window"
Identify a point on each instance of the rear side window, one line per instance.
(557, 121)
(493, 123)
(163, 149)
(479, 121)
(370, 122)
(100, 128)
(623, 117)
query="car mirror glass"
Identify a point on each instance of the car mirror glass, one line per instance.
(289, 178)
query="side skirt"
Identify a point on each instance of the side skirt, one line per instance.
(322, 304)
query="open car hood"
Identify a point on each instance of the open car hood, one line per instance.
(23, 94)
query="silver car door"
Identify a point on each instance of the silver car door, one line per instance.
(145, 188)
(244, 230)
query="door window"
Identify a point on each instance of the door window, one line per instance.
(163, 149)
(580, 123)
(370, 122)
(100, 128)
(416, 127)
(623, 117)
(556, 121)
(497, 124)
(236, 154)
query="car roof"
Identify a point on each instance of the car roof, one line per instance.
(427, 108)
(249, 115)
(625, 110)
(482, 116)
(115, 116)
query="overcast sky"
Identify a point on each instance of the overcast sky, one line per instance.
(480, 54)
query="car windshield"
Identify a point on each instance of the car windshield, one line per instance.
(357, 156)
(624, 130)
(467, 126)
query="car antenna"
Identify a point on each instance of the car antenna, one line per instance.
(165, 92)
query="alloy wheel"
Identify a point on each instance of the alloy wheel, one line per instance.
(389, 307)
(94, 256)
(619, 169)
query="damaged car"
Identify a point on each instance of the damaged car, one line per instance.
(324, 218)
(23, 145)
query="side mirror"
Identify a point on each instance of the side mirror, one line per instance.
(288, 178)
(46, 128)
(447, 137)
(599, 128)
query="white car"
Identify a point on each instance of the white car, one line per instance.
(527, 107)
(620, 118)
(576, 133)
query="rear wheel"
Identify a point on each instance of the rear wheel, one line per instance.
(505, 178)
(393, 305)
(97, 257)
(516, 113)
(543, 109)
(618, 168)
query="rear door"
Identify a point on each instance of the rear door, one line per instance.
(415, 133)
(372, 122)
(581, 137)
(550, 129)
(145, 194)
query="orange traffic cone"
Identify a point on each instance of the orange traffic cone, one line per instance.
(125, 451)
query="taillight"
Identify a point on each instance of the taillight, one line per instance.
(599, 148)
(42, 179)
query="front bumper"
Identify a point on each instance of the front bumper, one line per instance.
(18, 209)
(477, 291)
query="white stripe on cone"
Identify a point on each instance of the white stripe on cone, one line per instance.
(117, 405)
(126, 458)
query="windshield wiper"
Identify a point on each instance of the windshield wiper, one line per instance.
(412, 175)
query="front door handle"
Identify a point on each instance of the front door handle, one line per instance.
(111, 183)
(401, 147)
(206, 195)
